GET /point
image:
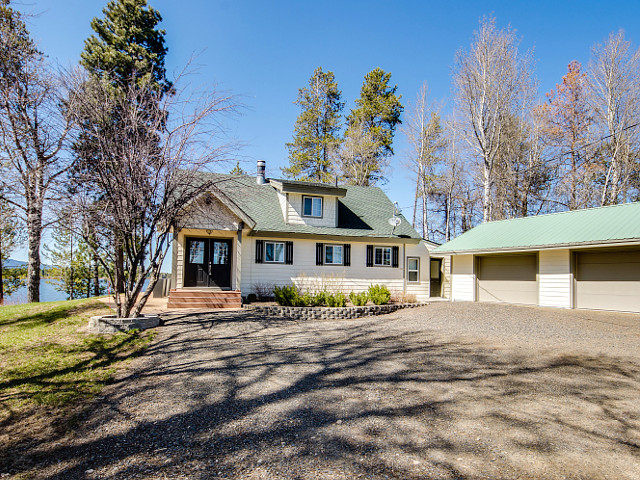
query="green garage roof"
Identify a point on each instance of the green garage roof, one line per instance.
(592, 226)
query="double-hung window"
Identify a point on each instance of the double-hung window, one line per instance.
(333, 254)
(274, 252)
(382, 256)
(413, 269)
(312, 207)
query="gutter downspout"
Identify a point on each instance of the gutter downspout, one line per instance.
(404, 269)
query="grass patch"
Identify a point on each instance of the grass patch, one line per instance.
(48, 361)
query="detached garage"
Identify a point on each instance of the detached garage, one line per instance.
(508, 278)
(580, 259)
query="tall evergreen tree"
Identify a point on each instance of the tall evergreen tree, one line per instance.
(378, 109)
(128, 49)
(316, 129)
(128, 46)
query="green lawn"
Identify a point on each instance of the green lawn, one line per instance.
(48, 361)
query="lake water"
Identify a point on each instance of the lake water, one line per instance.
(48, 293)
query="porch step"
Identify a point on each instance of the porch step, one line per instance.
(182, 298)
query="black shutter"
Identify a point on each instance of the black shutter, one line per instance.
(288, 253)
(259, 251)
(369, 255)
(319, 253)
(347, 255)
(394, 257)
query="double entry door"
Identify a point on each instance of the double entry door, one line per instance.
(208, 263)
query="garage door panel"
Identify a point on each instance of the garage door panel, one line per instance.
(608, 280)
(508, 278)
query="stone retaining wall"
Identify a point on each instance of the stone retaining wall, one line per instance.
(112, 324)
(329, 313)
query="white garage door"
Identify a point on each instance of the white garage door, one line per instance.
(608, 280)
(508, 278)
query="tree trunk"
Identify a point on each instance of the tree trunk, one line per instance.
(425, 226)
(34, 231)
(119, 267)
(486, 200)
(96, 276)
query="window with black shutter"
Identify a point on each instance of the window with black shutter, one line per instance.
(369, 255)
(319, 253)
(259, 251)
(395, 251)
(288, 256)
(347, 255)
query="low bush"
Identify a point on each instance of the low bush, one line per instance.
(379, 294)
(319, 299)
(336, 300)
(303, 300)
(359, 299)
(290, 296)
(252, 297)
(287, 296)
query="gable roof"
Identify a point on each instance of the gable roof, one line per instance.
(592, 226)
(362, 211)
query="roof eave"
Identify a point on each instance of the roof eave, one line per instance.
(334, 237)
(529, 248)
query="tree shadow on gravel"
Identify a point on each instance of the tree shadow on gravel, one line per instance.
(240, 396)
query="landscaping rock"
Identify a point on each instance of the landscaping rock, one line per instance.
(113, 324)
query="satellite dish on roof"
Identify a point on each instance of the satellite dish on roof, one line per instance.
(394, 221)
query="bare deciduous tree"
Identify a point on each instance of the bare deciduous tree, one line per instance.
(568, 120)
(615, 94)
(33, 128)
(358, 158)
(424, 133)
(488, 80)
(147, 181)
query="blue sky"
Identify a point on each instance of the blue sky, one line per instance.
(265, 51)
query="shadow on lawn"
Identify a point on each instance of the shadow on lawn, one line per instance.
(275, 399)
(46, 315)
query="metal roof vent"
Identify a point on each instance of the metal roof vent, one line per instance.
(260, 178)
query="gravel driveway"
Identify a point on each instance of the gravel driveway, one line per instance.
(447, 391)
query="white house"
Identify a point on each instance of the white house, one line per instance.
(248, 233)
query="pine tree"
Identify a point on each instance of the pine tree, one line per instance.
(237, 170)
(378, 109)
(316, 130)
(70, 258)
(128, 50)
(128, 46)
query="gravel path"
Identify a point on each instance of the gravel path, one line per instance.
(447, 391)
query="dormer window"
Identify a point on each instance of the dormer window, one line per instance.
(312, 207)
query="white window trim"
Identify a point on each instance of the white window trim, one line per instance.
(417, 271)
(274, 251)
(321, 206)
(390, 257)
(324, 254)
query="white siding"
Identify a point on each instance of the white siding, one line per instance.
(294, 212)
(462, 278)
(181, 242)
(282, 199)
(209, 213)
(305, 273)
(446, 277)
(554, 278)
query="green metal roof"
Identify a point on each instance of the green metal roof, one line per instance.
(362, 212)
(592, 226)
